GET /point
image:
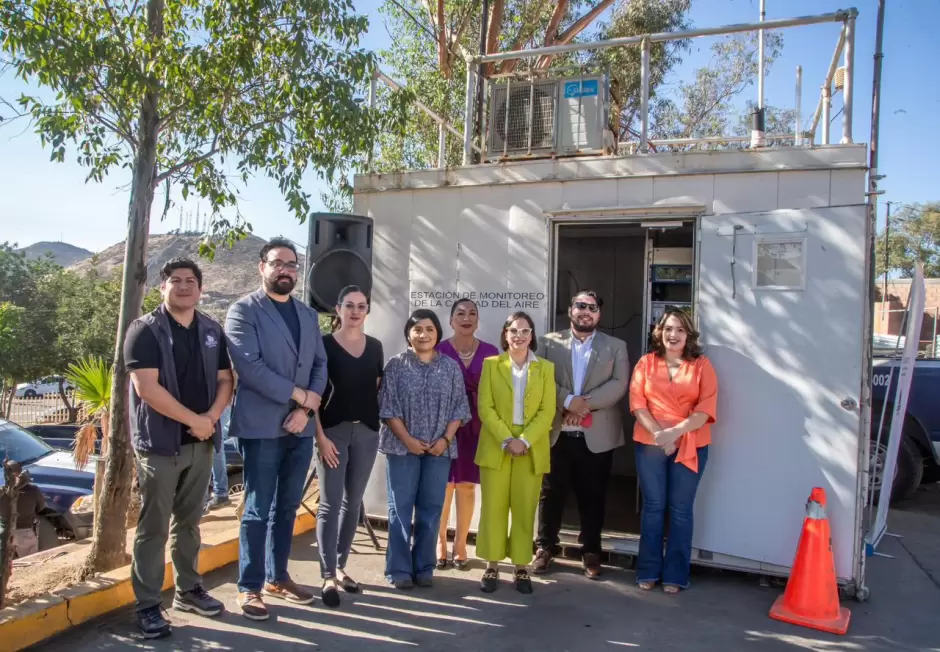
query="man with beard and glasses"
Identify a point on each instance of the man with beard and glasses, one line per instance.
(280, 361)
(591, 374)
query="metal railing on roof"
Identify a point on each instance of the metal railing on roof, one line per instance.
(845, 49)
(846, 46)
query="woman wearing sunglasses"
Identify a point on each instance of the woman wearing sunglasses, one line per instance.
(516, 407)
(347, 437)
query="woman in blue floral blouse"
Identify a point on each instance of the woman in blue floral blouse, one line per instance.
(422, 403)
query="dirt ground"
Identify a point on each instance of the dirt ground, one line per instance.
(57, 569)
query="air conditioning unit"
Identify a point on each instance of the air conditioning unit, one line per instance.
(545, 117)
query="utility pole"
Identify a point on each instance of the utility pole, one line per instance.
(884, 292)
(757, 117)
(484, 22)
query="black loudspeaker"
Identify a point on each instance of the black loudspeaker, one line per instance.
(339, 253)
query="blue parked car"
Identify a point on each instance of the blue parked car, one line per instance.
(919, 454)
(68, 491)
(62, 436)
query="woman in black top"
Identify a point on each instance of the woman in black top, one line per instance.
(347, 437)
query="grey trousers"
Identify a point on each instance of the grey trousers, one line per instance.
(169, 487)
(341, 491)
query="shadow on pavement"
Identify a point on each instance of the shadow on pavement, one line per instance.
(567, 612)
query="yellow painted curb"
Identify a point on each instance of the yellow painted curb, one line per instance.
(37, 620)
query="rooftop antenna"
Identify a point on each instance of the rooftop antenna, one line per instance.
(757, 117)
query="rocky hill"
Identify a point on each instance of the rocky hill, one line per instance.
(62, 253)
(231, 275)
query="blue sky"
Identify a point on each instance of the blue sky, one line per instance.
(41, 200)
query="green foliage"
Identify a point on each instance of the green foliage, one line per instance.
(410, 138)
(705, 106)
(53, 317)
(632, 19)
(239, 88)
(914, 237)
(92, 380)
(29, 286)
(413, 60)
(87, 309)
(325, 319)
(10, 316)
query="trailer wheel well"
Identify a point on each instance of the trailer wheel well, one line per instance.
(912, 427)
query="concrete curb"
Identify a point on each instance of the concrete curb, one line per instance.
(34, 621)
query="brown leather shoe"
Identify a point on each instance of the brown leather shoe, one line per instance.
(543, 561)
(288, 590)
(592, 565)
(252, 606)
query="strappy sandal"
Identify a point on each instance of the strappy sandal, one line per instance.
(646, 586)
(671, 589)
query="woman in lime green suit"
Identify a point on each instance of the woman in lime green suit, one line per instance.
(516, 404)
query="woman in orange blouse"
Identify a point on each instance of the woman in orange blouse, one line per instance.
(673, 395)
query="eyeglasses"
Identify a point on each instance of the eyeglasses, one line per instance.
(517, 332)
(361, 307)
(280, 265)
(582, 305)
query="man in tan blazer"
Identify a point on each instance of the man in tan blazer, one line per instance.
(591, 374)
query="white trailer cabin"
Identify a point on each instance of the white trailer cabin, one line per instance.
(766, 247)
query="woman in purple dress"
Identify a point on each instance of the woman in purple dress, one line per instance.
(470, 352)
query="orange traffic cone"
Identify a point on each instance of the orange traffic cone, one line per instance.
(811, 598)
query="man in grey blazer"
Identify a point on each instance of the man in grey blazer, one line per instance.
(591, 375)
(278, 356)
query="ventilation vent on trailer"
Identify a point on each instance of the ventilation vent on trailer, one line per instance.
(547, 116)
(531, 115)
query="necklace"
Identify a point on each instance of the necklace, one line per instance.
(469, 354)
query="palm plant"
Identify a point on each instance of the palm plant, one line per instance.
(91, 378)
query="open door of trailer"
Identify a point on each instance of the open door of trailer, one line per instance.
(781, 298)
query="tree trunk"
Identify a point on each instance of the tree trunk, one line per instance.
(8, 410)
(569, 34)
(9, 493)
(108, 548)
(101, 465)
(492, 36)
(133, 508)
(70, 407)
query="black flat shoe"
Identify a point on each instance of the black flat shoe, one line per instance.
(349, 585)
(523, 582)
(330, 595)
(441, 564)
(461, 564)
(490, 581)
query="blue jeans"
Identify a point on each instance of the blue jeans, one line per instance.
(220, 473)
(274, 474)
(416, 487)
(666, 484)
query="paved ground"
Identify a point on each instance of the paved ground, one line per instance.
(722, 612)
